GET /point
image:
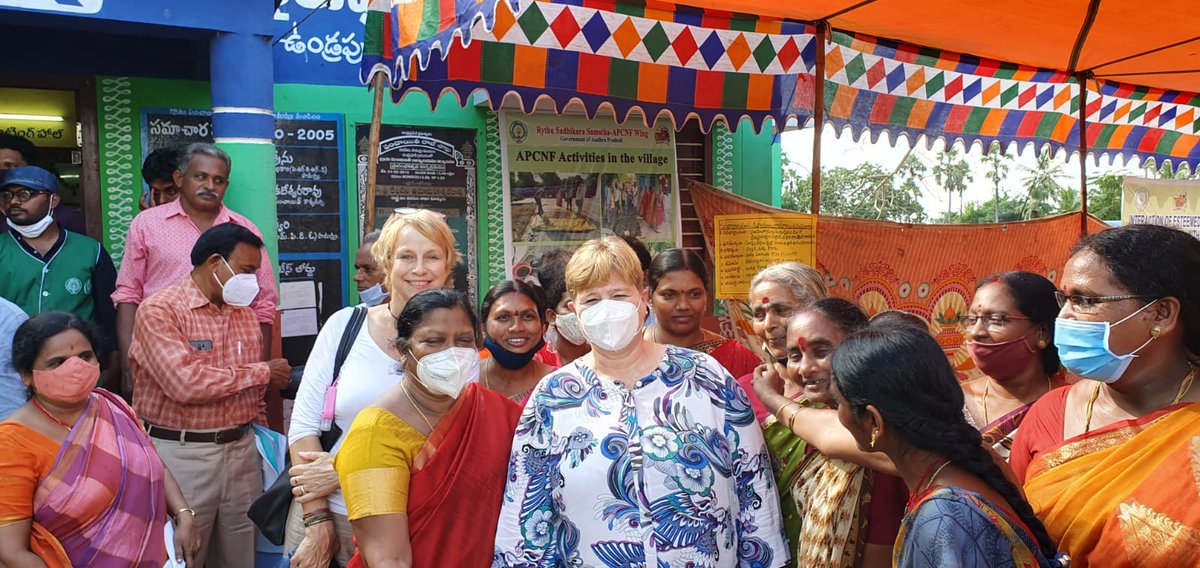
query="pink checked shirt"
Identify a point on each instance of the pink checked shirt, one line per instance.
(158, 253)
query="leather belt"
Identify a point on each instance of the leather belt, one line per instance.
(218, 437)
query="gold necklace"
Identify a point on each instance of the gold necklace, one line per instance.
(417, 407)
(987, 385)
(1185, 386)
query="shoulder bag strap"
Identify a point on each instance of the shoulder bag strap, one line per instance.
(348, 336)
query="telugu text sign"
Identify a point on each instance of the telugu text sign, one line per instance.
(745, 244)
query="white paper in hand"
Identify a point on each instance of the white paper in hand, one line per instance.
(169, 540)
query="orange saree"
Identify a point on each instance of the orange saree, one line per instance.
(1124, 495)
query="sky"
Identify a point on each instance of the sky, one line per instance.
(840, 149)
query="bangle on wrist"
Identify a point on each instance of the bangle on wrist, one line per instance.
(779, 413)
(318, 519)
(792, 418)
(315, 512)
(185, 510)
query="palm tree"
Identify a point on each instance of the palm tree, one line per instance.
(953, 174)
(1041, 186)
(997, 164)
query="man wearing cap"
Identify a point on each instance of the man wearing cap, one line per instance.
(18, 151)
(45, 267)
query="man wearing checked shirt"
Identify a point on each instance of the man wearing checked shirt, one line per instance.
(160, 239)
(199, 381)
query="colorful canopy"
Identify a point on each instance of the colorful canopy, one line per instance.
(729, 59)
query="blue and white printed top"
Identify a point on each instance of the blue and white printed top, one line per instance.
(672, 473)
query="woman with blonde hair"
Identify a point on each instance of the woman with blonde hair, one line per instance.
(416, 252)
(636, 454)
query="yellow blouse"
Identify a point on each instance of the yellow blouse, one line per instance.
(375, 462)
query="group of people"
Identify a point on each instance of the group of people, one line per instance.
(588, 419)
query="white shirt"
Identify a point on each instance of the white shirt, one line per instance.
(671, 473)
(366, 374)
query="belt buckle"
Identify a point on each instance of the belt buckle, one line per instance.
(220, 437)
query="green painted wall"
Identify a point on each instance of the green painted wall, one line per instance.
(747, 163)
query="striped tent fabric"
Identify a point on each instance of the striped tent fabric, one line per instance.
(678, 61)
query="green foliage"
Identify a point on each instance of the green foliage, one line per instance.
(1010, 210)
(866, 191)
(953, 174)
(1104, 196)
(1042, 186)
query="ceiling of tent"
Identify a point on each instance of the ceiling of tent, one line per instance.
(1039, 33)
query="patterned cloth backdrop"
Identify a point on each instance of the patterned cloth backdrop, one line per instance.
(682, 62)
(927, 270)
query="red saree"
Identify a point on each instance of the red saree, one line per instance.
(457, 483)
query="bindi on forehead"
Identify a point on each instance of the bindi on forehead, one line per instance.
(766, 300)
(802, 342)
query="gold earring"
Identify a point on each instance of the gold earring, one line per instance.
(1041, 344)
(1155, 331)
(874, 437)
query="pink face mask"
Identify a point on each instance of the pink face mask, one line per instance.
(1002, 361)
(70, 382)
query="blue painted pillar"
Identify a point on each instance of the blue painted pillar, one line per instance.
(243, 98)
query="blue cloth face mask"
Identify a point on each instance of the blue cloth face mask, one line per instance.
(1083, 348)
(373, 296)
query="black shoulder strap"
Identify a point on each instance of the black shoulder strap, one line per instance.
(348, 337)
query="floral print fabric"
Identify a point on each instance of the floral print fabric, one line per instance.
(671, 473)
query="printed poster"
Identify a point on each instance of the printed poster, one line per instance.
(570, 179)
(745, 244)
(1167, 202)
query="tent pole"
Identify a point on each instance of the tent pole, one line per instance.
(818, 117)
(379, 83)
(1083, 151)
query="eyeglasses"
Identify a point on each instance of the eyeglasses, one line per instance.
(993, 321)
(24, 194)
(413, 211)
(1091, 302)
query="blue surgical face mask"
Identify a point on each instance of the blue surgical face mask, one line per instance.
(1083, 348)
(373, 296)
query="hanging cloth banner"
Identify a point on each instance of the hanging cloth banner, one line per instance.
(927, 270)
(680, 61)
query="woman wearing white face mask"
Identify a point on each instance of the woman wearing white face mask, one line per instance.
(423, 468)
(1109, 463)
(415, 252)
(637, 453)
(563, 331)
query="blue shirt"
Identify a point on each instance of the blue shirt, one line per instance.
(12, 390)
(671, 473)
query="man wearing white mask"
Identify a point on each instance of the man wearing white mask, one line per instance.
(160, 238)
(563, 334)
(196, 359)
(636, 454)
(48, 268)
(368, 278)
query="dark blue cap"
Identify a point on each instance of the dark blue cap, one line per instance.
(32, 177)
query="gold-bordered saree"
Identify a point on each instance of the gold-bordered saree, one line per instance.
(1124, 495)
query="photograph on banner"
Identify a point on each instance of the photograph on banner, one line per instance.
(426, 168)
(1167, 202)
(570, 179)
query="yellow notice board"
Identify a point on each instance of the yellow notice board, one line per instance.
(745, 244)
(1168, 202)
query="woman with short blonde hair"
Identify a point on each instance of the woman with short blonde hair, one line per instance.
(687, 476)
(416, 252)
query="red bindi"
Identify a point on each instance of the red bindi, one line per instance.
(802, 343)
(766, 300)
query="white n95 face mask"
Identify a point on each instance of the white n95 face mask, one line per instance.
(568, 327)
(240, 290)
(611, 324)
(448, 372)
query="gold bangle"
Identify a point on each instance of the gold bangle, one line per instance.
(186, 510)
(779, 413)
(792, 418)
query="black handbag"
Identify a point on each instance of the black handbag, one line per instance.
(270, 510)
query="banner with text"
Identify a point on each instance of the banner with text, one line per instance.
(1166, 202)
(746, 244)
(570, 179)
